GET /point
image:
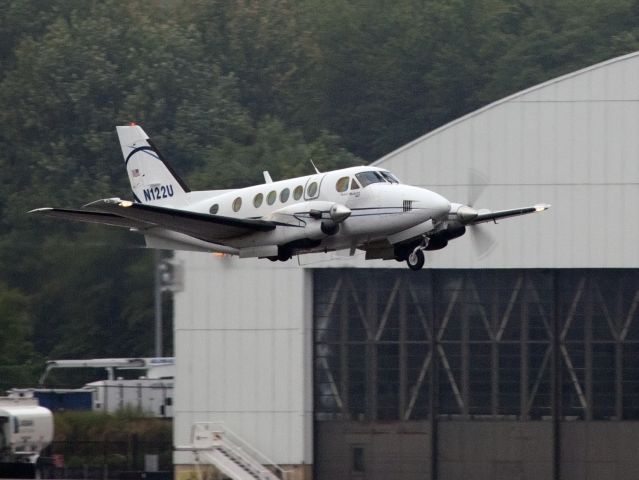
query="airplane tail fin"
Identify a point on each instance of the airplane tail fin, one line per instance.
(152, 178)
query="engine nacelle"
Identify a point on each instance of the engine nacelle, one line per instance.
(436, 243)
(329, 227)
(441, 238)
(328, 220)
(320, 229)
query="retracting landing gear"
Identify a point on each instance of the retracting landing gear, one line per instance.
(415, 259)
(412, 254)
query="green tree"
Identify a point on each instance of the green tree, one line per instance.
(226, 90)
(18, 359)
(284, 153)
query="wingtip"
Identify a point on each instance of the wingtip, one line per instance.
(40, 210)
(103, 201)
(540, 207)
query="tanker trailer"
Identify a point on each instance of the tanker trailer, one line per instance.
(25, 430)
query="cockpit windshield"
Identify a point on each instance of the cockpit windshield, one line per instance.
(375, 176)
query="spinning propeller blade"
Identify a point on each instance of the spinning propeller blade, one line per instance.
(477, 183)
(483, 241)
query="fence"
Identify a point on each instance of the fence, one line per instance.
(104, 459)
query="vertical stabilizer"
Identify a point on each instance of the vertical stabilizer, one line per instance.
(152, 178)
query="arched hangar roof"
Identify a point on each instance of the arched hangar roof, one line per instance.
(572, 142)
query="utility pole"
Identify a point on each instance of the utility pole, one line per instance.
(168, 277)
(157, 261)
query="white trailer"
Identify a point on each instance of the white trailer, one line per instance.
(149, 395)
(25, 430)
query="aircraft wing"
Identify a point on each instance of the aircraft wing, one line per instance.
(210, 228)
(488, 216)
(90, 216)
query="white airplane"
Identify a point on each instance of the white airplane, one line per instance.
(364, 208)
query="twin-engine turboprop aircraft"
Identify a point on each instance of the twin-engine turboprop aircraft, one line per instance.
(364, 208)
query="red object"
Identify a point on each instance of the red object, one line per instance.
(58, 460)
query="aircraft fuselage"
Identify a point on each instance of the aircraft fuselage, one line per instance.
(378, 209)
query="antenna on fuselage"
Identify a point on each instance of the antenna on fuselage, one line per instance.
(316, 170)
(267, 177)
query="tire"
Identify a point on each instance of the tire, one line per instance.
(415, 260)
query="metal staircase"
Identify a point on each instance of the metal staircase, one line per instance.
(216, 444)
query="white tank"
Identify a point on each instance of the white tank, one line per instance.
(25, 430)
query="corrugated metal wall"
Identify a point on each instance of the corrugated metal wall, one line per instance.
(528, 374)
(243, 343)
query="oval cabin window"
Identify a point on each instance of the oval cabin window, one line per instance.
(297, 193)
(257, 200)
(342, 184)
(213, 210)
(311, 191)
(237, 204)
(272, 195)
(284, 194)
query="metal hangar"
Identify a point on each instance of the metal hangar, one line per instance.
(520, 361)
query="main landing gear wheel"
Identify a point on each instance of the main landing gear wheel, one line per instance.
(415, 260)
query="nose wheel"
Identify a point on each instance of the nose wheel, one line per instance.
(415, 260)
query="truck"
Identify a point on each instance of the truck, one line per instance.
(151, 393)
(26, 429)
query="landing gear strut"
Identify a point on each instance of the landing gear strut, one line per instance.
(415, 260)
(412, 253)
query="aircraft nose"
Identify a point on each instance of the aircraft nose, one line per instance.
(441, 206)
(434, 204)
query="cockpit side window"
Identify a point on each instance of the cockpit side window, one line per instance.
(389, 177)
(366, 178)
(342, 184)
(354, 184)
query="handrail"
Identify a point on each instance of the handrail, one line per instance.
(220, 427)
(254, 453)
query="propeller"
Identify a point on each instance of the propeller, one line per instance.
(337, 213)
(477, 183)
(483, 241)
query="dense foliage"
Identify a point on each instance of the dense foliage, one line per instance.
(228, 89)
(120, 440)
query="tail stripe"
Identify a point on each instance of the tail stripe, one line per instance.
(146, 150)
(155, 153)
(169, 167)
